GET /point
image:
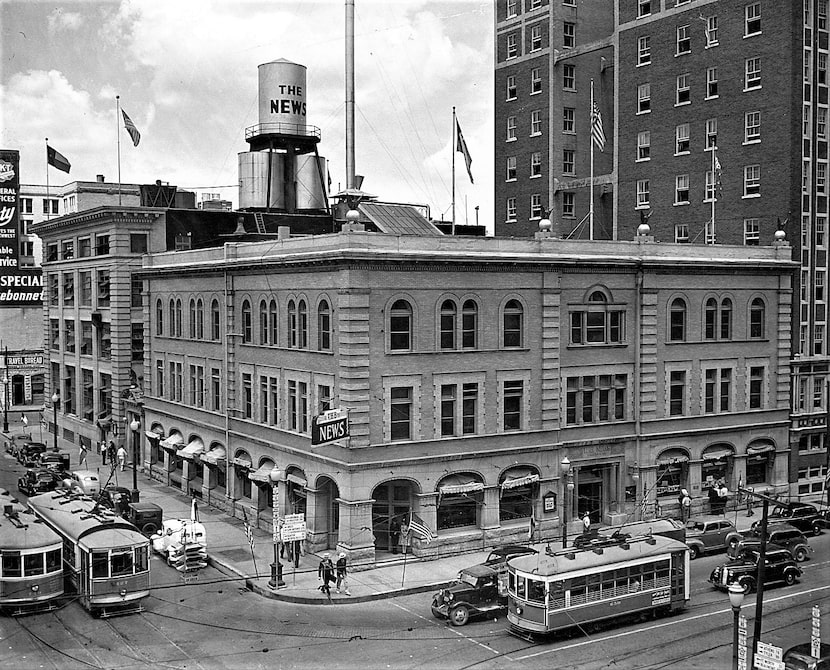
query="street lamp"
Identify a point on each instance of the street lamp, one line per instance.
(55, 400)
(276, 476)
(569, 487)
(736, 598)
(6, 401)
(134, 426)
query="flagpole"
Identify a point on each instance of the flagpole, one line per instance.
(714, 191)
(454, 148)
(118, 141)
(591, 183)
(48, 208)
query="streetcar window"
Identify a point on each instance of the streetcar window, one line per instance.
(521, 587)
(12, 566)
(536, 591)
(100, 564)
(140, 559)
(53, 560)
(32, 564)
(593, 586)
(121, 562)
(511, 582)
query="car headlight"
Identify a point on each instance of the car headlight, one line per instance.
(519, 610)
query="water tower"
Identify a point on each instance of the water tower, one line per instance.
(282, 172)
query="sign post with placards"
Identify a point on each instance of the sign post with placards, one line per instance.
(330, 426)
(815, 634)
(742, 654)
(768, 657)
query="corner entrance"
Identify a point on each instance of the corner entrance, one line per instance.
(392, 502)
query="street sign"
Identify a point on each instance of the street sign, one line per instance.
(763, 663)
(293, 528)
(330, 426)
(769, 651)
(815, 637)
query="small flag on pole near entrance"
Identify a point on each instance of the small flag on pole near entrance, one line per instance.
(131, 129)
(461, 146)
(419, 529)
(531, 530)
(597, 132)
(57, 160)
(248, 532)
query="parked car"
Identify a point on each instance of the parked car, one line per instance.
(85, 480)
(807, 518)
(38, 480)
(782, 535)
(704, 536)
(478, 589)
(145, 516)
(116, 498)
(779, 567)
(800, 657)
(55, 460)
(15, 442)
(29, 453)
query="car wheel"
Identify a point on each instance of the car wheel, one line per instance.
(748, 585)
(816, 528)
(789, 578)
(800, 554)
(149, 528)
(459, 615)
(694, 552)
(437, 613)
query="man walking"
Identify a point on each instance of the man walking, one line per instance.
(122, 457)
(341, 574)
(325, 572)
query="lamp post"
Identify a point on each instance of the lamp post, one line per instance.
(569, 486)
(134, 426)
(276, 476)
(55, 400)
(736, 598)
(6, 400)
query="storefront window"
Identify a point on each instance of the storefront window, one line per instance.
(458, 510)
(756, 468)
(672, 475)
(713, 471)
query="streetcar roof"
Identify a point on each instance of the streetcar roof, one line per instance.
(579, 560)
(82, 520)
(24, 532)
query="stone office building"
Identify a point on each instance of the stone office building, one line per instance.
(470, 369)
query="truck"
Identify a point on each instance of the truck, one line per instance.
(182, 543)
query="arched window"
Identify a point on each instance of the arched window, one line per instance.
(512, 324)
(191, 318)
(323, 326)
(263, 322)
(710, 318)
(200, 319)
(469, 325)
(447, 325)
(677, 320)
(215, 321)
(159, 317)
(757, 318)
(302, 325)
(171, 312)
(178, 317)
(400, 326)
(274, 320)
(597, 296)
(247, 326)
(292, 324)
(726, 319)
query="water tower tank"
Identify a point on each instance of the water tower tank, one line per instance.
(282, 97)
(253, 180)
(309, 179)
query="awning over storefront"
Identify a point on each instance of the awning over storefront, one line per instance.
(296, 479)
(760, 447)
(672, 457)
(154, 434)
(517, 477)
(192, 450)
(459, 484)
(242, 461)
(104, 422)
(717, 451)
(262, 473)
(172, 442)
(215, 456)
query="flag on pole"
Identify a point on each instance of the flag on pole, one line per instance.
(57, 160)
(131, 129)
(718, 184)
(418, 528)
(597, 133)
(461, 146)
(531, 530)
(248, 532)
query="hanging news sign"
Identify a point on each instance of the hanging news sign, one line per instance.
(330, 426)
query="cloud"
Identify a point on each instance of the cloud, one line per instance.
(60, 20)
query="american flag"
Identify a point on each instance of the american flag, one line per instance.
(248, 532)
(131, 129)
(597, 133)
(418, 528)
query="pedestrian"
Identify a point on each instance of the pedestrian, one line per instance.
(298, 550)
(394, 534)
(586, 523)
(325, 572)
(341, 574)
(723, 494)
(685, 505)
(121, 454)
(111, 454)
(102, 449)
(713, 498)
(82, 455)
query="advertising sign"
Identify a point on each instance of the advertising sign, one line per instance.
(330, 426)
(293, 528)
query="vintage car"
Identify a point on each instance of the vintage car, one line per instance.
(807, 518)
(38, 480)
(800, 657)
(781, 535)
(55, 460)
(29, 453)
(116, 498)
(145, 516)
(479, 589)
(704, 536)
(84, 480)
(779, 567)
(16, 442)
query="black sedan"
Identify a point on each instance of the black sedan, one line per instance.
(38, 480)
(804, 516)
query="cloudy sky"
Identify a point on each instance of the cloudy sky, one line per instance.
(186, 71)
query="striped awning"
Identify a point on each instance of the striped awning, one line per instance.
(295, 479)
(760, 448)
(192, 450)
(262, 473)
(172, 442)
(455, 484)
(716, 451)
(519, 479)
(242, 461)
(672, 456)
(155, 434)
(215, 455)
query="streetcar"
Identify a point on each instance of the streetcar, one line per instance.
(31, 570)
(106, 559)
(572, 587)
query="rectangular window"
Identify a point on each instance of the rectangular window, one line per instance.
(821, 68)
(324, 399)
(136, 289)
(86, 338)
(511, 128)
(568, 35)
(569, 77)
(85, 282)
(535, 81)
(711, 31)
(25, 205)
(68, 289)
(104, 341)
(535, 122)
(103, 286)
(274, 392)
(644, 50)
(469, 408)
(536, 206)
(684, 40)
(511, 209)
(643, 195)
(752, 73)
(644, 145)
(752, 180)
(568, 204)
(681, 189)
(511, 87)
(448, 402)
(821, 122)
(50, 206)
(247, 395)
(712, 82)
(752, 232)
(595, 399)
(643, 98)
(677, 393)
(512, 46)
(643, 7)
(536, 164)
(513, 399)
(568, 161)
(400, 419)
(821, 13)
(102, 245)
(511, 9)
(568, 120)
(821, 177)
(160, 378)
(752, 127)
(216, 390)
(752, 13)
(818, 294)
(51, 252)
(711, 131)
(683, 91)
(536, 38)
(67, 250)
(69, 335)
(717, 392)
(709, 193)
(681, 134)
(820, 226)
(137, 341)
(681, 233)
(511, 168)
(138, 243)
(264, 398)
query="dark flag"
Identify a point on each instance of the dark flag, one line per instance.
(57, 160)
(131, 129)
(461, 146)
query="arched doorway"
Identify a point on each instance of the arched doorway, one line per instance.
(392, 503)
(295, 491)
(328, 510)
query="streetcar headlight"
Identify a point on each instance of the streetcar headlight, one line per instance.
(35, 588)
(518, 610)
(122, 592)
(449, 596)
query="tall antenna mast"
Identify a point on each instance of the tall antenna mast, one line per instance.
(350, 168)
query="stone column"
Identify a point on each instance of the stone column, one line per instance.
(355, 533)
(490, 510)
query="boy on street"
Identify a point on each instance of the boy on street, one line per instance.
(341, 574)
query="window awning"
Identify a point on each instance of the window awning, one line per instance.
(192, 450)
(716, 451)
(104, 422)
(519, 477)
(155, 434)
(459, 484)
(172, 442)
(672, 457)
(242, 461)
(760, 448)
(262, 473)
(214, 456)
(295, 479)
